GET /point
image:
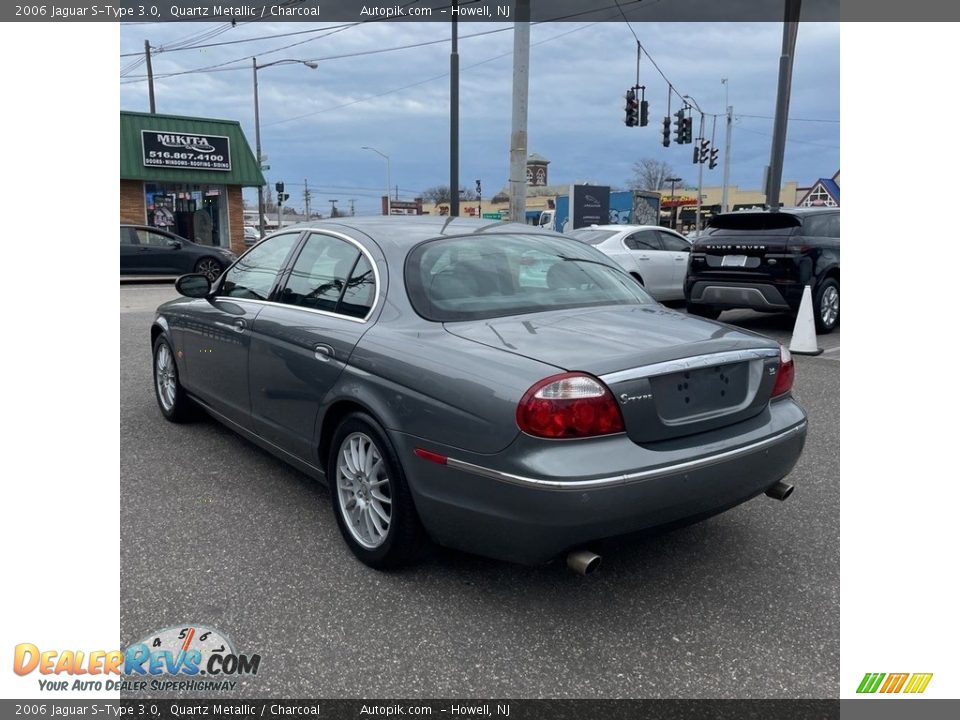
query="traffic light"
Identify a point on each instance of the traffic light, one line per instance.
(696, 154)
(279, 187)
(282, 197)
(704, 150)
(688, 130)
(678, 130)
(666, 131)
(632, 118)
(713, 158)
(644, 113)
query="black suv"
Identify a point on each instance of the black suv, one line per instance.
(762, 260)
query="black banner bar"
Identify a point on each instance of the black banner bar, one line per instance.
(228, 709)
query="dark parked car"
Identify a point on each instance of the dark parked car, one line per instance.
(446, 390)
(148, 250)
(762, 261)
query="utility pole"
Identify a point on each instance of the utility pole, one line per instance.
(479, 200)
(724, 198)
(352, 212)
(333, 208)
(791, 23)
(518, 125)
(306, 199)
(673, 208)
(261, 211)
(153, 104)
(700, 175)
(454, 116)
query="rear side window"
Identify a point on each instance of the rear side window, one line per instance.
(475, 278)
(673, 243)
(643, 240)
(331, 275)
(822, 225)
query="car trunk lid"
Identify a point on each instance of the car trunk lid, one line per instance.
(672, 374)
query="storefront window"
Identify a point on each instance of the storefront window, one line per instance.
(196, 212)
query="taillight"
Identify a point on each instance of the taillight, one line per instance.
(570, 405)
(784, 381)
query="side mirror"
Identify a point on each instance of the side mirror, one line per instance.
(175, 244)
(194, 285)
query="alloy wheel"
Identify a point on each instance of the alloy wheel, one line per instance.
(210, 268)
(830, 306)
(363, 490)
(166, 377)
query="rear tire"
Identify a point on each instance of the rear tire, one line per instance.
(704, 311)
(826, 307)
(370, 496)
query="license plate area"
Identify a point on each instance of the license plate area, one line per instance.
(734, 261)
(691, 394)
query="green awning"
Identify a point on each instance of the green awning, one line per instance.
(167, 140)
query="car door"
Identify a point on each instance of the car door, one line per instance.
(216, 330)
(301, 343)
(128, 250)
(654, 265)
(678, 249)
(156, 252)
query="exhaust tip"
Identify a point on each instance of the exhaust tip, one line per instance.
(781, 491)
(583, 562)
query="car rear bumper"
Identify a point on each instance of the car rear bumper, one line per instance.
(724, 294)
(554, 499)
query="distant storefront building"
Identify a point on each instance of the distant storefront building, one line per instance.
(186, 175)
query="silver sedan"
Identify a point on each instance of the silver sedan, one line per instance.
(488, 386)
(656, 257)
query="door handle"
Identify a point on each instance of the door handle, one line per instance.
(644, 257)
(323, 353)
(239, 325)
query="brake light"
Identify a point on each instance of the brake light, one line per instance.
(785, 373)
(569, 405)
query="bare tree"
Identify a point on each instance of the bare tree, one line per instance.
(441, 194)
(651, 174)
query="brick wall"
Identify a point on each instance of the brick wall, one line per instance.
(133, 208)
(235, 209)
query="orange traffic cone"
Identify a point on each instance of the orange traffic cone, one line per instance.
(804, 340)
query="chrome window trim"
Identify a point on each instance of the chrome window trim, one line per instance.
(689, 363)
(626, 478)
(326, 313)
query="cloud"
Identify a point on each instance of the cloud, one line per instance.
(315, 121)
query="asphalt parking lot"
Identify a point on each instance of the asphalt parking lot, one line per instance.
(215, 531)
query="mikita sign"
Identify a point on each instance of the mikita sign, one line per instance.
(186, 151)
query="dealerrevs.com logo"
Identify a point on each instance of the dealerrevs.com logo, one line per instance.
(182, 658)
(910, 683)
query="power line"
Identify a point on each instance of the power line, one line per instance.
(770, 117)
(792, 140)
(242, 40)
(222, 67)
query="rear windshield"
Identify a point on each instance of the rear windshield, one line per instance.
(755, 221)
(486, 276)
(591, 237)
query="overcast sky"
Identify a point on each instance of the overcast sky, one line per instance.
(314, 122)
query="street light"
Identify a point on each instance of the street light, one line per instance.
(673, 210)
(387, 158)
(256, 121)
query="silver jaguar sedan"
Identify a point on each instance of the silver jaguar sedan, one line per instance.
(491, 387)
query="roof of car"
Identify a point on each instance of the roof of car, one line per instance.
(622, 227)
(787, 210)
(404, 231)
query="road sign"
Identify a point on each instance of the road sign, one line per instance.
(264, 167)
(491, 216)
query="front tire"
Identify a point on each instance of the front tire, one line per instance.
(826, 307)
(211, 267)
(370, 496)
(173, 401)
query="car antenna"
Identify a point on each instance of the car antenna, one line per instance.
(446, 222)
